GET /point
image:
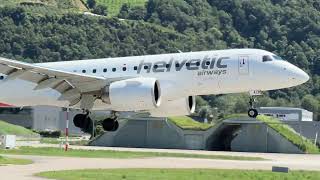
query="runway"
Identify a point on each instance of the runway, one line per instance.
(42, 163)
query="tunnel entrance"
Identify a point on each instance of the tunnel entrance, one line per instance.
(221, 139)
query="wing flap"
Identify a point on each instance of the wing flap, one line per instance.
(70, 94)
(15, 74)
(5, 69)
(48, 83)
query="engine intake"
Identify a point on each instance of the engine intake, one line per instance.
(135, 94)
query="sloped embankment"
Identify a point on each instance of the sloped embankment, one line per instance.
(7, 128)
(291, 135)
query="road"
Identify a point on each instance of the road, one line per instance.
(41, 163)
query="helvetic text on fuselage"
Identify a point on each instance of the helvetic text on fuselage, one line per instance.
(206, 65)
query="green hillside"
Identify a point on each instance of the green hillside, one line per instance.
(42, 6)
(6, 128)
(115, 5)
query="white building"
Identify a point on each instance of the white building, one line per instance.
(287, 113)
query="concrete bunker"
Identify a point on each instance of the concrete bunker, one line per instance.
(220, 140)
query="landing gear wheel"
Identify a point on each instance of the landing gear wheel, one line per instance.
(110, 124)
(253, 113)
(82, 120)
(78, 120)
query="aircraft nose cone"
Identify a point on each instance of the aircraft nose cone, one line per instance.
(300, 76)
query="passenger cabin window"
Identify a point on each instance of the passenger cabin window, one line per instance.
(84, 71)
(266, 58)
(94, 71)
(1, 77)
(135, 68)
(114, 69)
(105, 70)
(124, 69)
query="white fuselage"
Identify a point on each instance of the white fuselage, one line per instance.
(180, 75)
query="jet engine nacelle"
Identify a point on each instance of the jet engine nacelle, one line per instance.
(136, 94)
(179, 107)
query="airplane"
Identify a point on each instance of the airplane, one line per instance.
(161, 85)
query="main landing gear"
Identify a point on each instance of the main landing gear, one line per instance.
(83, 121)
(252, 112)
(111, 123)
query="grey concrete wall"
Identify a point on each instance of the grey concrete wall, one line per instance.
(54, 118)
(251, 137)
(261, 138)
(244, 135)
(24, 120)
(46, 118)
(142, 133)
(152, 134)
(307, 129)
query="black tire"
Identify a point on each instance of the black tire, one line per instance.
(79, 120)
(108, 124)
(253, 113)
(87, 122)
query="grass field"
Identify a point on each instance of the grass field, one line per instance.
(114, 154)
(177, 174)
(6, 128)
(187, 123)
(5, 161)
(114, 6)
(62, 140)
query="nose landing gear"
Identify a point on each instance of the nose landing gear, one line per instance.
(252, 112)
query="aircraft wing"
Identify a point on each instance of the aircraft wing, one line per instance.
(72, 86)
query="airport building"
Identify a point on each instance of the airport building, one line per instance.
(42, 118)
(287, 113)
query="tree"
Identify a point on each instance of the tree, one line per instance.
(137, 13)
(124, 11)
(91, 4)
(101, 10)
(310, 103)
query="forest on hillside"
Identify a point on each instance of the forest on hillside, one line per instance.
(290, 29)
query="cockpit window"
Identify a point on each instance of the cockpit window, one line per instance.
(266, 58)
(277, 58)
